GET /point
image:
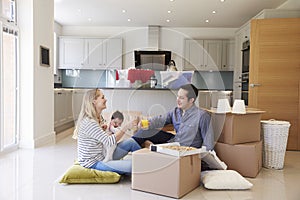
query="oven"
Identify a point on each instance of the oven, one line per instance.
(245, 70)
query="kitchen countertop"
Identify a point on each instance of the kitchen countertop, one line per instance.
(126, 88)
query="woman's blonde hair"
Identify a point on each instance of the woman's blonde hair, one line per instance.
(88, 109)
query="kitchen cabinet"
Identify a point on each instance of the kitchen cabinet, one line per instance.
(71, 53)
(228, 55)
(212, 54)
(77, 101)
(274, 75)
(193, 55)
(62, 107)
(206, 55)
(103, 53)
(90, 53)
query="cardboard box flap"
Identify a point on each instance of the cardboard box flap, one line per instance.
(212, 160)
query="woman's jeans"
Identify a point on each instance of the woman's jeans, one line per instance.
(117, 165)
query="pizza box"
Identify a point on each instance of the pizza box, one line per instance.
(162, 148)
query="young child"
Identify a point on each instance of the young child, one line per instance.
(115, 123)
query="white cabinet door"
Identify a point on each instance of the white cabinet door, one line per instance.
(62, 107)
(71, 53)
(77, 101)
(68, 105)
(94, 54)
(113, 53)
(58, 108)
(193, 55)
(228, 55)
(212, 54)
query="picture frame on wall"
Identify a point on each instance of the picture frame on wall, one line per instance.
(44, 56)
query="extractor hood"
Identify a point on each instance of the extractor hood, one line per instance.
(153, 38)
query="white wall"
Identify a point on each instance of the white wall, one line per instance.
(290, 4)
(137, 38)
(37, 98)
(25, 23)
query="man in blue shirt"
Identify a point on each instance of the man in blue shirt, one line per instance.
(192, 124)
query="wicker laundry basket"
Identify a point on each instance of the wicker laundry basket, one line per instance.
(274, 135)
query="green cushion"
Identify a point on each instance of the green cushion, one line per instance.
(79, 174)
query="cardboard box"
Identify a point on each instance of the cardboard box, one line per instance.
(165, 174)
(237, 128)
(243, 158)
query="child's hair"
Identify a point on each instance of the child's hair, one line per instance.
(117, 114)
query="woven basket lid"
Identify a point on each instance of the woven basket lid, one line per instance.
(275, 122)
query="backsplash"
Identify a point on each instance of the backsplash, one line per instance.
(204, 80)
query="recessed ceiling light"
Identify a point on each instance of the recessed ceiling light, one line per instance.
(129, 20)
(167, 20)
(222, 0)
(89, 19)
(171, 0)
(123, 11)
(207, 21)
(214, 12)
(169, 11)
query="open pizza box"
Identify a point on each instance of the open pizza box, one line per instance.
(174, 149)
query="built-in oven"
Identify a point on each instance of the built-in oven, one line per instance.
(245, 71)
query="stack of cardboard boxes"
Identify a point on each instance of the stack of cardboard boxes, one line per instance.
(239, 143)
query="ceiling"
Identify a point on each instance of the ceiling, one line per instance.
(184, 13)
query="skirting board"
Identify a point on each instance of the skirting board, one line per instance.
(64, 134)
(38, 142)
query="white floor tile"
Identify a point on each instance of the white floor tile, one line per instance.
(34, 175)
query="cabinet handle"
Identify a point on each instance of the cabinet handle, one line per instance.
(254, 85)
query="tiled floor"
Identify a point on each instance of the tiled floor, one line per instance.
(34, 174)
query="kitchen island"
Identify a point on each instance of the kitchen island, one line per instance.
(149, 101)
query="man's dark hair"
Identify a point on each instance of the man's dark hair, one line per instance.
(192, 91)
(117, 114)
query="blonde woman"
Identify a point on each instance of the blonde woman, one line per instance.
(92, 138)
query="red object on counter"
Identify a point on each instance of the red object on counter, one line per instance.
(117, 75)
(139, 74)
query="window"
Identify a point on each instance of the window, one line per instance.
(8, 10)
(8, 78)
(55, 54)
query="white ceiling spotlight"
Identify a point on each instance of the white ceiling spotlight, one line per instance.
(206, 20)
(123, 11)
(129, 20)
(214, 12)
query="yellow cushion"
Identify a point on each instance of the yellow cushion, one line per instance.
(79, 174)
